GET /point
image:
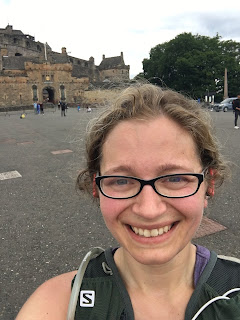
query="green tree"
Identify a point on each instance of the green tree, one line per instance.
(194, 65)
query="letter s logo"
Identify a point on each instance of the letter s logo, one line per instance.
(87, 298)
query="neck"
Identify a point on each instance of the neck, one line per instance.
(176, 273)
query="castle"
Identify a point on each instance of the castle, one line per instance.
(30, 71)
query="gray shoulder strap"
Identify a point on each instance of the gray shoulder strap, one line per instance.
(93, 253)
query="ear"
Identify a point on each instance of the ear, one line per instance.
(95, 191)
(211, 187)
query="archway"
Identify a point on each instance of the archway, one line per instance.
(48, 94)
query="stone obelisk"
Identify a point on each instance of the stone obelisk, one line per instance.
(225, 94)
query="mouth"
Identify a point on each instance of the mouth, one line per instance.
(151, 233)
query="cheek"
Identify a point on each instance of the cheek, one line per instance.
(191, 207)
(111, 208)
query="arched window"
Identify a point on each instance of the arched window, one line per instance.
(34, 90)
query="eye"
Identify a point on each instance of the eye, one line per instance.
(175, 179)
(121, 181)
(116, 181)
(178, 181)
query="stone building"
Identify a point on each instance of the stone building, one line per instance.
(30, 71)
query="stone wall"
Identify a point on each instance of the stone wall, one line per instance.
(115, 74)
(101, 97)
(15, 91)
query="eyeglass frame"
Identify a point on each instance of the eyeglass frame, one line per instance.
(151, 182)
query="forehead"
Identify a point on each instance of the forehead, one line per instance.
(149, 143)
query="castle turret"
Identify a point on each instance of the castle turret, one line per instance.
(9, 29)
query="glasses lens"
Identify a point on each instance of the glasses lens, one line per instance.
(119, 187)
(177, 185)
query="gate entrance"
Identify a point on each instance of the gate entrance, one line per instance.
(48, 94)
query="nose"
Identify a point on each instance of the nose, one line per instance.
(149, 204)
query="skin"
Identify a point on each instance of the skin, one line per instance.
(147, 149)
(157, 269)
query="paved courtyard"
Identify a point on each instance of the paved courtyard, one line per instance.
(46, 226)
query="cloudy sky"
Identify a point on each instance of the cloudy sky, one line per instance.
(97, 27)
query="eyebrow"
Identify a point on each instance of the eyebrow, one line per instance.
(162, 168)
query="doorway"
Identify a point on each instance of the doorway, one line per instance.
(48, 94)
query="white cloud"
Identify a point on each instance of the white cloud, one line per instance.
(93, 28)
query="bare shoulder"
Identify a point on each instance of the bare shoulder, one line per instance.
(50, 300)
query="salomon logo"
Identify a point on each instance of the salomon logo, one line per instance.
(87, 298)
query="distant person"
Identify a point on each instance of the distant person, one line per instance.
(38, 108)
(63, 109)
(236, 109)
(35, 107)
(59, 105)
(78, 108)
(41, 108)
(89, 109)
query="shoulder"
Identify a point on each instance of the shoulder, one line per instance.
(229, 263)
(225, 274)
(50, 300)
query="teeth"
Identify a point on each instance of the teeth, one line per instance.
(151, 233)
(146, 233)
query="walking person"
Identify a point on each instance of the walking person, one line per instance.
(38, 108)
(152, 165)
(63, 109)
(35, 107)
(236, 108)
(41, 108)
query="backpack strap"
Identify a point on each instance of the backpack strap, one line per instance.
(78, 281)
(101, 294)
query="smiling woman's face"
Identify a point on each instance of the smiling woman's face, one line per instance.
(147, 149)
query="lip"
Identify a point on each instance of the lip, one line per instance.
(152, 240)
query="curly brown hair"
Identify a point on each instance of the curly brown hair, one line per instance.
(147, 101)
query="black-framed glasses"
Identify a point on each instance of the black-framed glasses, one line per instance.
(180, 185)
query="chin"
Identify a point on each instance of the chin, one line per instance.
(152, 257)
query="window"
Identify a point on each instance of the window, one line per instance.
(34, 90)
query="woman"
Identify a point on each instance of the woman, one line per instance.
(153, 164)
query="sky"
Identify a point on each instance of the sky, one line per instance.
(97, 27)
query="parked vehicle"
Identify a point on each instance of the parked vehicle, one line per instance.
(225, 105)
